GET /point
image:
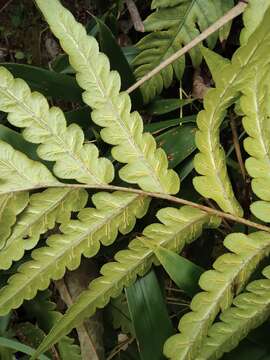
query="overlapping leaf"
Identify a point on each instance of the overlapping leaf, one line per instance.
(146, 165)
(231, 273)
(173, 24)
(250, 310)
(210, 162)
(178, 228)
(114, 212)
(59, 143)
(45, 209)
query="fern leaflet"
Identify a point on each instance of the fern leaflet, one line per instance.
(74, 160)
(146, 165)
(171, 27)
(43, 212)
(178, 228)
(256, 123)
(250, 310)
(231, 272)
(210, 162)
(18, 172)
(113, 213)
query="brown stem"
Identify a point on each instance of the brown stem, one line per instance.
(170, 198)
(233, 13)
(237, 147)
(135, 15)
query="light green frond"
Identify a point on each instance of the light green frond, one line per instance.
(114, 212)
(18, 172)
(255, 106)
(171, 28)
(43, 212)
(211, 161)
(59, 143)
(252, 17)
(250, 310)
(231, 273)
(178, 228)
(146, 165)
(11, 205)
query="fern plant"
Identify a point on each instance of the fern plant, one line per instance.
(40, 201)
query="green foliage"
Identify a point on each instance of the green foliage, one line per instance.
(250, 309)
(231, 273)
(211, 161)
(60, 222)
(178, 228)
(146, 165)
(113, 213)
(172, 25)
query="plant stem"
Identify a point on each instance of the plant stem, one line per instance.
(170, 198)
(233, 13)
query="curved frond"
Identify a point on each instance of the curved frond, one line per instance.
(45, 209)
(114, 212)
(231, 273)
(10, 206)
(178, 228)
(171, 28)
(256, 109)
(59, 143)
(250, 310)
(210, 162)
(146, 165)
(18, 172)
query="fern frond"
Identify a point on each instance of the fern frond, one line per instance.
(210, 162)
(10, 206)
(114, 212)
(59, 143)
(250, 310)
(43, 212)
(172, 27)
(256, 109)
(18, 172)
(146, 165)
(230, 274)
(178, 228)
(252, 18)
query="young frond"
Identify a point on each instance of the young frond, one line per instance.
(47, 126)
(178, 228)
(172, 25)
(250, 309)
(211, 160)
(114, 212)
(45, 209)
(146, 165)
(231, 273)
